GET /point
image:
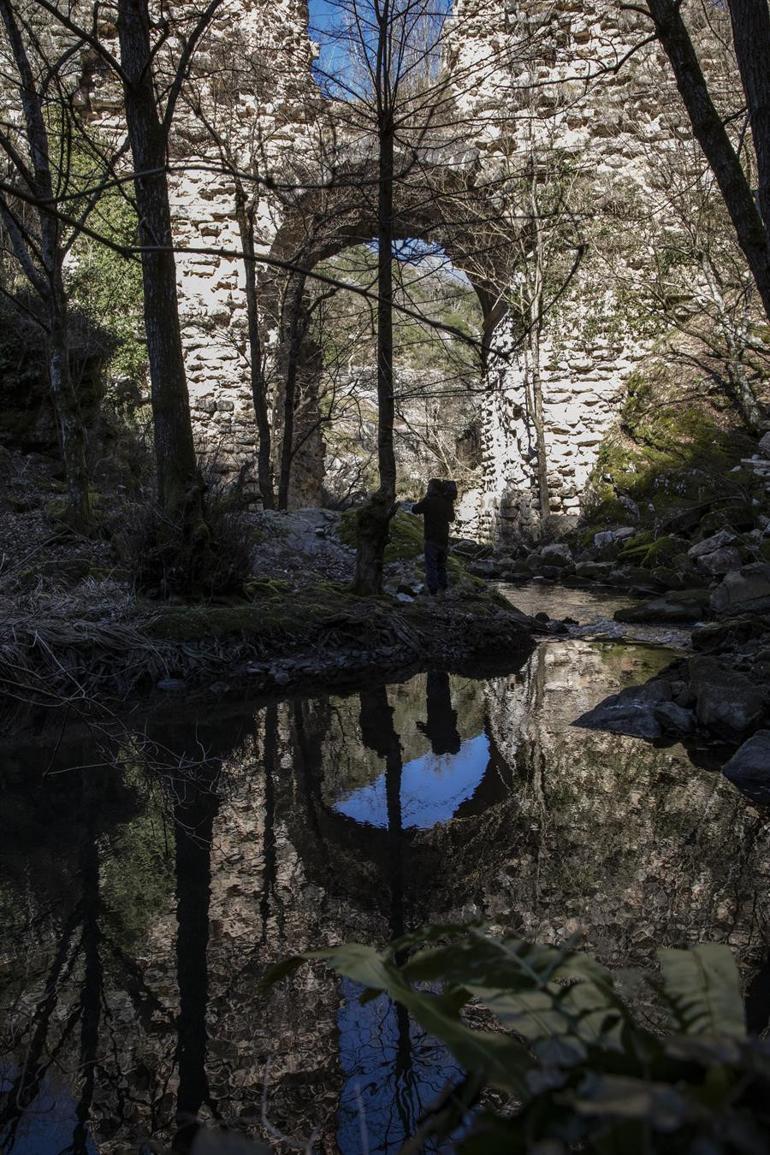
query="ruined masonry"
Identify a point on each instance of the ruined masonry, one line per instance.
(534, 77)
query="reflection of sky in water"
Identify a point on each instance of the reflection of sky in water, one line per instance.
(432, 788)
(48, 1124)
(393, 1073)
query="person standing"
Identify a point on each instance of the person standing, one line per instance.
(437, 509)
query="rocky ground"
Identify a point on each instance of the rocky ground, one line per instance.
(74, 625)
(707, 567)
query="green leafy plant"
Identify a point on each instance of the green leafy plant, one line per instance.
(558, 1054)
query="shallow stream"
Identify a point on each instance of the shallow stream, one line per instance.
(150, 873)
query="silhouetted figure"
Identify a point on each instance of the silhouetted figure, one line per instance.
(441, 726)
(437, 509)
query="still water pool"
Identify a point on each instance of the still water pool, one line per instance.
(151, 872)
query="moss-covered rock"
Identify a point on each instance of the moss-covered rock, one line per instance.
(405, 535)
(649, 551)
(669, 453)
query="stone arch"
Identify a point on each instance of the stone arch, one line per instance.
(323, 223)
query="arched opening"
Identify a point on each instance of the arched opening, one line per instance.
(438, 330)
(445, 314)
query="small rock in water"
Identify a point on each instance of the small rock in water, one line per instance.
(171, 684)
(631, 712)
(749, 767)
(674, 719)
(542, 616)
(675, 606)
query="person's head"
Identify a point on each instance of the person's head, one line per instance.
(435, 487)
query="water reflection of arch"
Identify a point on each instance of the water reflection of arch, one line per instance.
(355, 861)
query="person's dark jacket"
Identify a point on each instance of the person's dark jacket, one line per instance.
(437, 512)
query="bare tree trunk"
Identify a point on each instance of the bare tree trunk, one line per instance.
(68, 418)
(710, 132)
(374, 518)
(751, 36)
(294, 319)
(47, 281)
(538, 420)
(180, 487)
(245, 215)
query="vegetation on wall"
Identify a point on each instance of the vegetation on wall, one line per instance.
(673, 448)
(108, 289)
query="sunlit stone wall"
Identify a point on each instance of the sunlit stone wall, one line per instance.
(570, 80)
(580, 90)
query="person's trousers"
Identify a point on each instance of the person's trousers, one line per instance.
(435, 567)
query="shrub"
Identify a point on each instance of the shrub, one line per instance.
(571, 1067)
(165, 562)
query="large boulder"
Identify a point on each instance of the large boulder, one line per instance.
(720, 561)
(749, 767)
(674, 606)
(725, 700)
(745, 590)
(595, 571)
(717, 541)
(729, 634)
(556, 554)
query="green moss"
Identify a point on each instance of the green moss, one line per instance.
(646, 550)
(406, 535)
(668, 453)
(260, 589)
(281, 612)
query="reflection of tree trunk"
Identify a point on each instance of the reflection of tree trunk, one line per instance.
(41, 1051)
(91, 999)
(194, 821)
(379, 734)
(269, 762)
(26, 1086)
(758, 1000)
(309, 733)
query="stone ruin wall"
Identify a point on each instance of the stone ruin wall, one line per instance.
(612, 111)
(559, 60)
